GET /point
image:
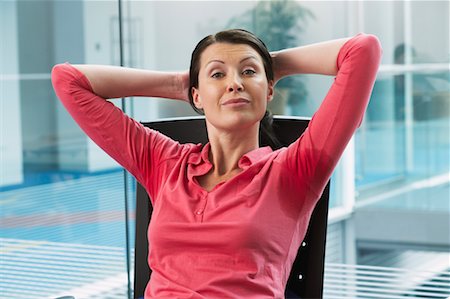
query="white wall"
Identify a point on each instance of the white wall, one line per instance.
(429, 20)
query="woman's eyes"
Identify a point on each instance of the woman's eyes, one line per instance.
(217, 75)
(247, 72)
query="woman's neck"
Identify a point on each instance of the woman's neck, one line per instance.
(227, 148)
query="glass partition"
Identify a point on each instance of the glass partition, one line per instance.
(405, 137)
(61, 198)
(380, 143)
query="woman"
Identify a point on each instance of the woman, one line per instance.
(229, 216)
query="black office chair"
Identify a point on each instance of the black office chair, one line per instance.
(306, 278)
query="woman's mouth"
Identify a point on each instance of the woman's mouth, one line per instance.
(236, 102)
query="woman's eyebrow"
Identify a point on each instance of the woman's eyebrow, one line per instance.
(242, 60)
(215, 60)
(248, 57)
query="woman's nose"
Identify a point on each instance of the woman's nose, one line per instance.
(235, 83)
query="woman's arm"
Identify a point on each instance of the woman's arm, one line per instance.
(319, 58)
(83, 91)
(355, 62)
(117, 82)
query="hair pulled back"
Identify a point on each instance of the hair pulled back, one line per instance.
(237, 36)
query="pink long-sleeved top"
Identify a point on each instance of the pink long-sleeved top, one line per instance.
(238, 240)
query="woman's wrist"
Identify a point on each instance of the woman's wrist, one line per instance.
(181, 86)
(278, 71)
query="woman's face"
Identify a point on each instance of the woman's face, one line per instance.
(233, 90)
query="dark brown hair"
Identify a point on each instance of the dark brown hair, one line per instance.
(236, 36)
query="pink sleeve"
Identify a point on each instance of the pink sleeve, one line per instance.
(314, 156)
(135, 147)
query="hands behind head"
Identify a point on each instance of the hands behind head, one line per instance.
(182, 87)
(277, 71)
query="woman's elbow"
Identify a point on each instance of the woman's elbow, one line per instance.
(372, 47)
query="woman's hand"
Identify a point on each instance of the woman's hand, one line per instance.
(182, 83)
(277, 69)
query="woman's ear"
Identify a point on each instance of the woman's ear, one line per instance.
(270, 90)
(196, 98)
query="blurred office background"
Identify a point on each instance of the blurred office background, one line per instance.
(67, 210)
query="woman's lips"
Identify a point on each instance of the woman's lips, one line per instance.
(236, 102)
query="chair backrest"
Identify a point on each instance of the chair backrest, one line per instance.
(306, 278)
